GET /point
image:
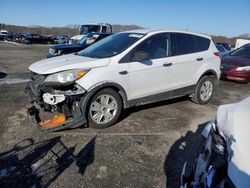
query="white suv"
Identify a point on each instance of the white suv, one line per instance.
(123, 70)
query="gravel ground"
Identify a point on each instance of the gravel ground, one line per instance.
(15, 59)
(147, 148)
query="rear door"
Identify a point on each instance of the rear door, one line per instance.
(190, 52)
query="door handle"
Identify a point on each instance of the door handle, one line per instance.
(167, 64)
(199, 59)
(123, 72)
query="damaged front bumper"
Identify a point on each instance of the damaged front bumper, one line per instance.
(55, 107)
(210, 168)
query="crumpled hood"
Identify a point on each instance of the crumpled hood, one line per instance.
(67, 62)
(234, 124)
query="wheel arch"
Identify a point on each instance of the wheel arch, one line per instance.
(100, 86)
(209, 72)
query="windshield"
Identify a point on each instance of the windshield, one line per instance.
(111, 45)
(244, 51)
(89, 29)
(88, 39)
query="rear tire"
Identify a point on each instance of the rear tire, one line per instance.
(204, 90)
(104, 108)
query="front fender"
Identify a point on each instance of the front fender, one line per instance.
(99, 86)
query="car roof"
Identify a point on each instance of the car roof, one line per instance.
(96, 23)
(155, 31)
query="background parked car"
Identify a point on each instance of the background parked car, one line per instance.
(3, 33)
(236, 65)
(241, 42)
(224, 158)
(86, 41)
(91, 28)
(11, 36)
(61, 39)
(28, 38)
(223, 51)
(225, 45)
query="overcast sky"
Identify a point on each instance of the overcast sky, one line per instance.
(217, 17)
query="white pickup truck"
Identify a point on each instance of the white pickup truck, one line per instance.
(3, 33)
(241, 42)
(91, 28)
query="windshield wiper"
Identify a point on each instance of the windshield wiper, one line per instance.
(77, 53)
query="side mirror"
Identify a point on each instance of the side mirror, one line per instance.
(140, 56)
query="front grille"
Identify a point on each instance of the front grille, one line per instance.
(226, 67)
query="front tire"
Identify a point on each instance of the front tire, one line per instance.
(204, 90)
(104, 108)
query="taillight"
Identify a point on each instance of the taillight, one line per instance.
(217, 54)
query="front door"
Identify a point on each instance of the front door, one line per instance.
(154, 74)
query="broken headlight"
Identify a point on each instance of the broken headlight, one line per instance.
(66, 76)
(58, 52)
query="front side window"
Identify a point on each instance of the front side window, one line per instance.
(157, 46)
(111, 46)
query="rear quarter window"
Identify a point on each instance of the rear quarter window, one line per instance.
(202, 44)
(187, 44)
(184, 44)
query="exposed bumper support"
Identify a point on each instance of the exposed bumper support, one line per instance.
(72, 122)
(53, 99)
(44, 107)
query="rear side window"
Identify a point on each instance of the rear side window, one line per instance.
(184, 44)
(187, 44)
(202, 43)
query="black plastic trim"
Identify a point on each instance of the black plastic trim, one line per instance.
(163, 96)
